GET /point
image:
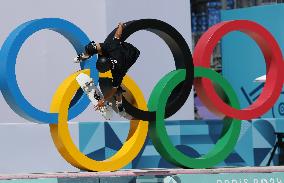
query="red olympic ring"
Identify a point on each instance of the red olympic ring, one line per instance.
(274, 68)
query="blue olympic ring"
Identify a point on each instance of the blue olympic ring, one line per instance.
(8, 55)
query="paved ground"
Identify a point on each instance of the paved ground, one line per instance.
(140, 172)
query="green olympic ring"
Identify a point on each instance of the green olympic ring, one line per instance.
(158, 133)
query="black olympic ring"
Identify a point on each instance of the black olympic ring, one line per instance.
(183, 60)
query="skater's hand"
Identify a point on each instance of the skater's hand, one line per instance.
(101, 103)
(121, 24)
(81, 57)
(78, 59)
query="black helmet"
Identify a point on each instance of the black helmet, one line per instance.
(103, 64)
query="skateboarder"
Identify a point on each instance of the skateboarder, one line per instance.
(116, 56)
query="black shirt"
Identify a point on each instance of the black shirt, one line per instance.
(122, 54)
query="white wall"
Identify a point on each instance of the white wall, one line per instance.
(47, 58)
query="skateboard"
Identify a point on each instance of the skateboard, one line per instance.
(90, 89)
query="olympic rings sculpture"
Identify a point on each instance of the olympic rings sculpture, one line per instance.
(167, 97)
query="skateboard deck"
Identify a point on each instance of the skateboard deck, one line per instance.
(88, 86)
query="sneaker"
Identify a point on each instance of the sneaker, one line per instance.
(120, 108)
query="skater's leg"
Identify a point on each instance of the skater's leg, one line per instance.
(118, 99)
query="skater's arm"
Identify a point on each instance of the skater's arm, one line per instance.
(118, 31)
(90, 49)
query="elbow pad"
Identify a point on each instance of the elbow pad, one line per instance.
(91, 48)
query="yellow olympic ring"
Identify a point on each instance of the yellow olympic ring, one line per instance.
(64, 143)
